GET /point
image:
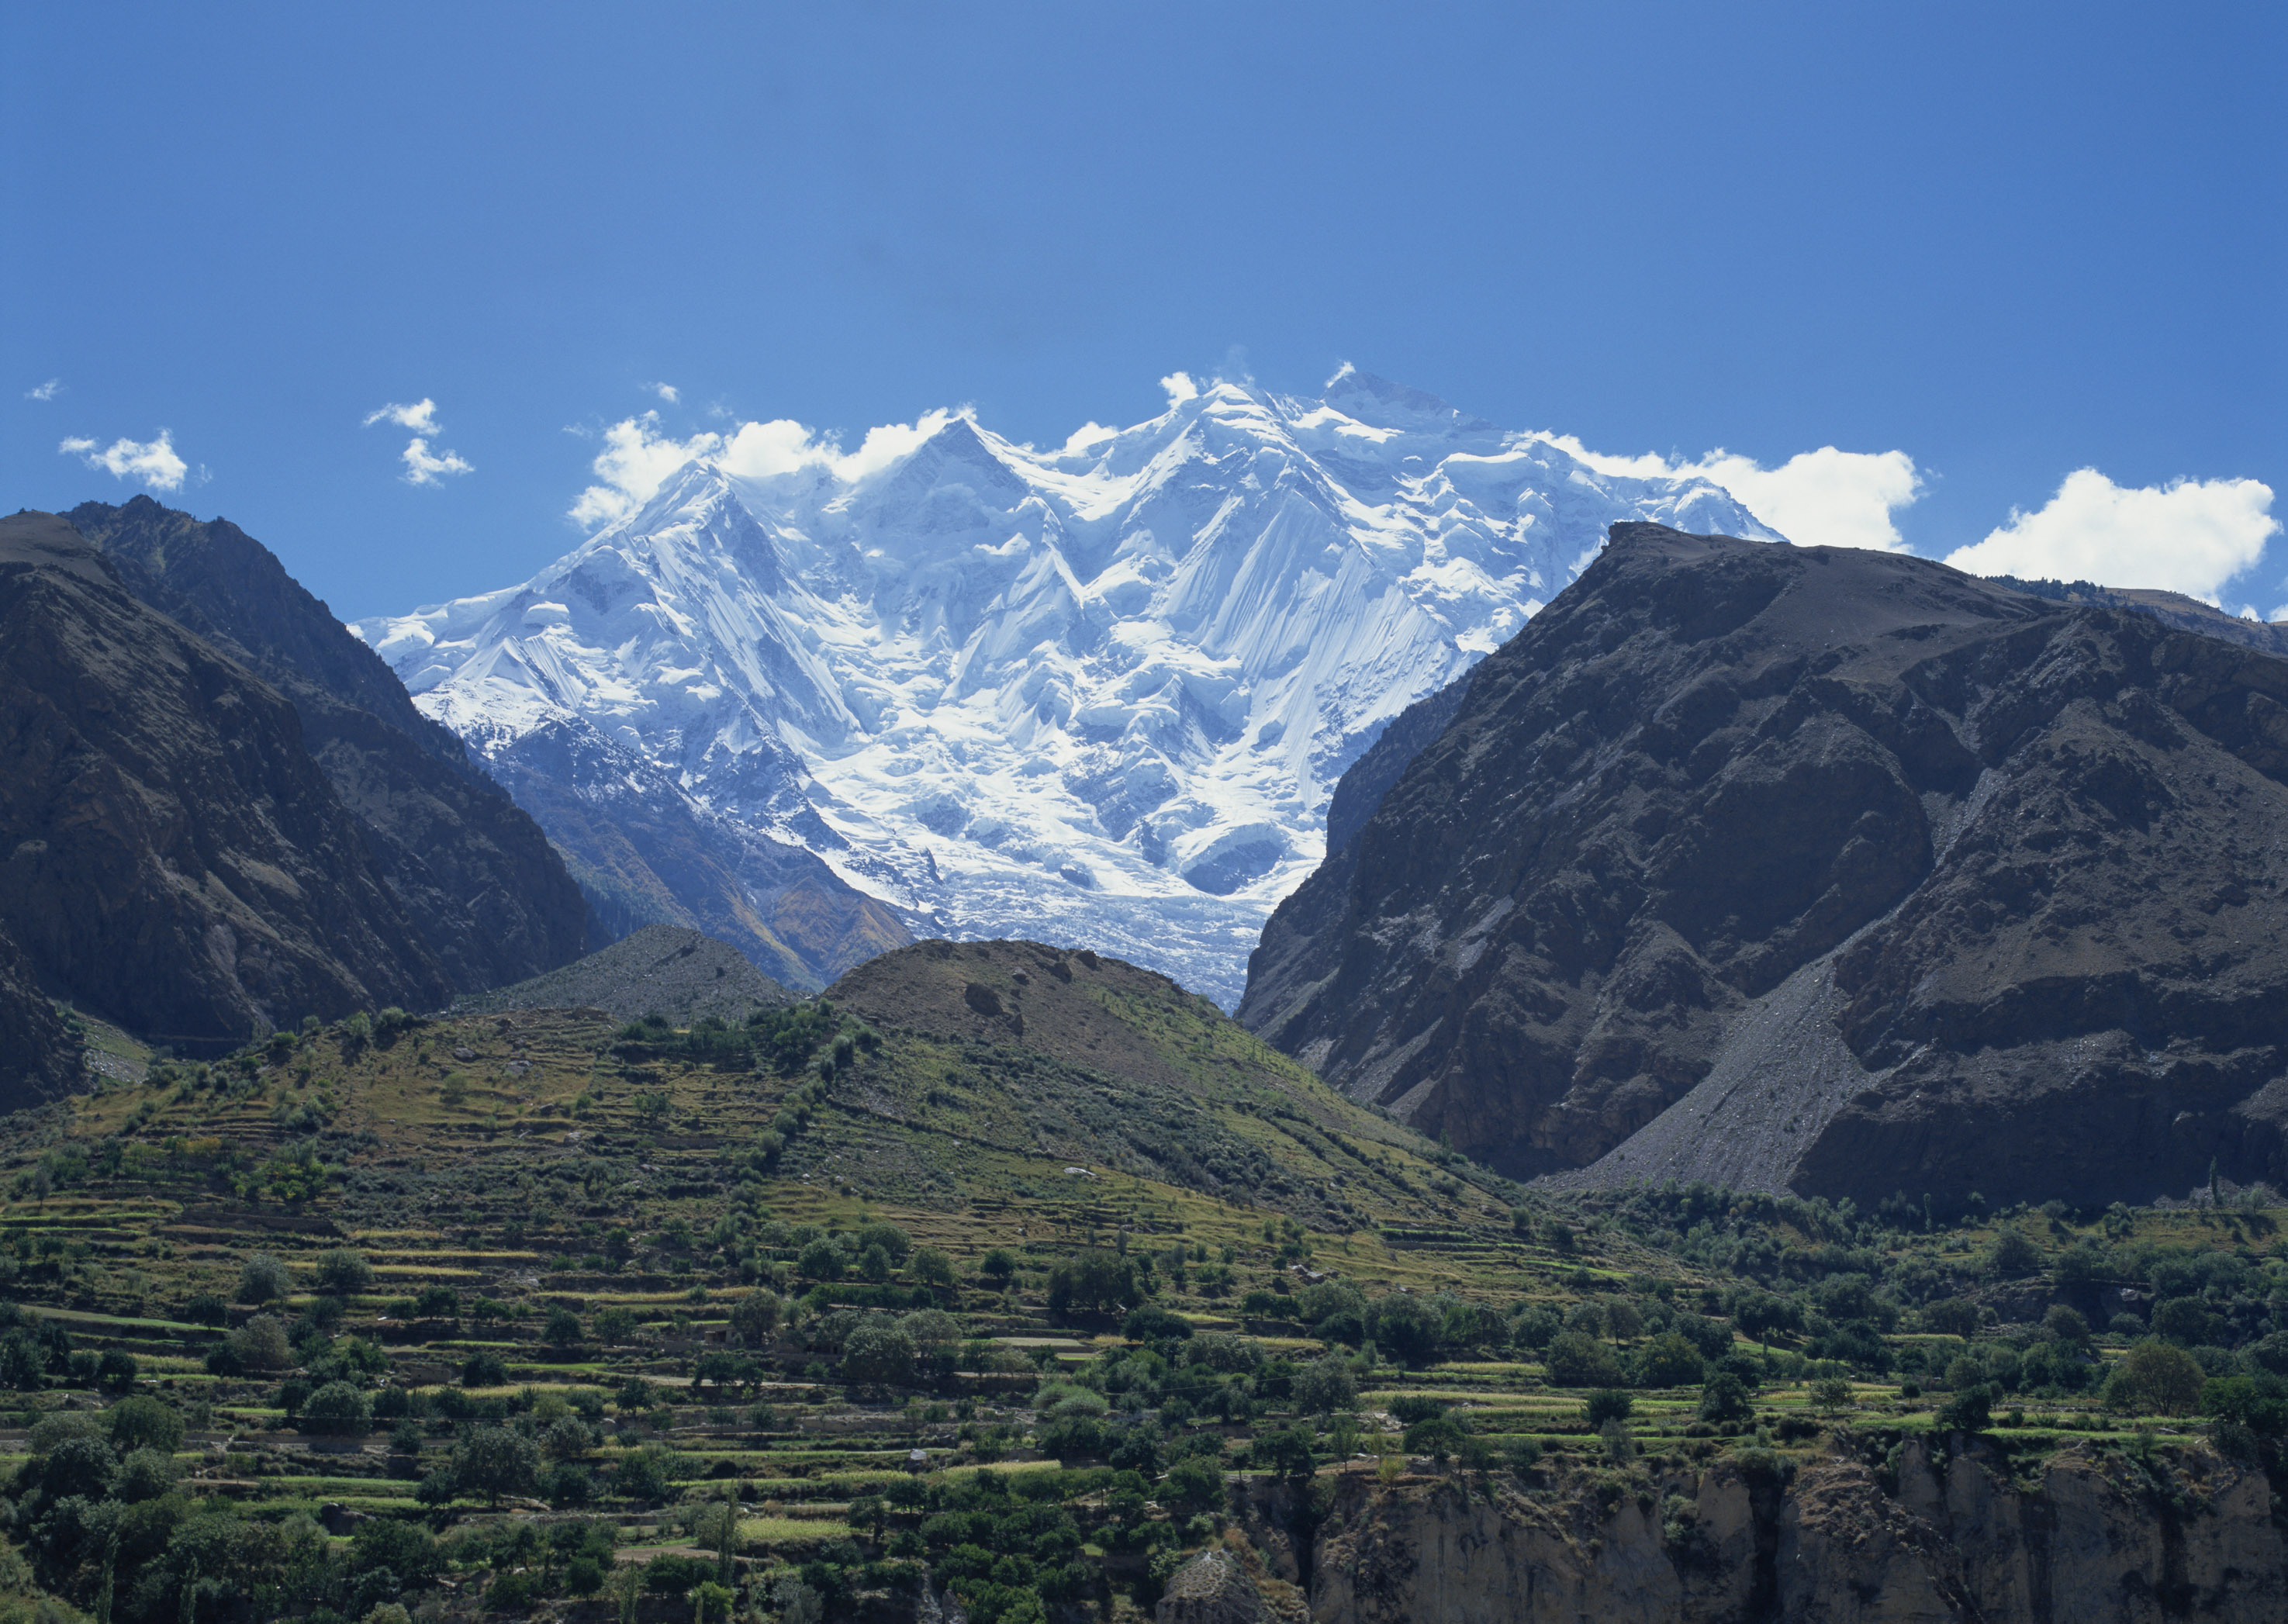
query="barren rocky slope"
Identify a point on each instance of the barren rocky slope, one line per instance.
(1871, 876)
(488, 894)
(175, 859)
(661, 969)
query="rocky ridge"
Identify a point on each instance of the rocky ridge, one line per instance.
(490, 896)
(175, 861)
(1820, 871)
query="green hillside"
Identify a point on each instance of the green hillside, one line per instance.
(493, 1313)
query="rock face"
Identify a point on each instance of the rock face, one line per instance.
(1212, 1588)
(174, 858)
(2092, 1543)
(1825, 870)
(489, 895)
(38, 1060)
(661, 968)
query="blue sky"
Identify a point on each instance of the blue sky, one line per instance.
(2008, 242)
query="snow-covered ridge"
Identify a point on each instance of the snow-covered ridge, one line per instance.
(1098, 694)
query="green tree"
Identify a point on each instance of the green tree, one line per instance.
(339, 1409)
(562, 1329)
(1668, 1360)
(263, 1278)
(931, 1267)
(1724, 1398)
(1093, 1282)
(344, 1272)
(754, 1317)
(878, 1354)
(2154, 1378)
(1573, 1358)
(493, 1462)
(144, 1423)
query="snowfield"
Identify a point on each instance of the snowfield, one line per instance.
(1098, 695)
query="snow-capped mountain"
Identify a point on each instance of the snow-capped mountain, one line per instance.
(1096, 695)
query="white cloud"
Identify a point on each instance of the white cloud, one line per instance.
(48, 391)
(423, 466)
(421, 417)
(668, 393)
(154, 462)
(635, 461)
(2189, 535)
(1825, 498)
(1180, 388)
(638, 457)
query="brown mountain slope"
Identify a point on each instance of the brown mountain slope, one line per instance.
(1826, 871)
(175, 859)
(661, 969)
(489, 895)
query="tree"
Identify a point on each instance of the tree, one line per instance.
(2154, 1378)
(562, 1329)
(1724, 1398)
(261, 1344)
(821, 1260)
(143, 1422)
(754, 1318)
(1439, 1436)
(116, 1371)
(1668, 1360)
(931, 1267)
(998, 1266)
(483, 1368)
(2013, 1254)
(1608, 1404)
(1194, 1484)
(1324, 1386)
(263, 1278)
(1093, 1282)
(1574, 1360)
(493, 1462)
(339, 1409)
(1405, 1327)
(643, 1474)
(878, 1354)
(345, 1272)
(1286, 1452)
(1152, 1323)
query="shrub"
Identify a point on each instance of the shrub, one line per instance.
(1151, 1323)
(205, 1308)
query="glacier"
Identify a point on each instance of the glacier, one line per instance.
(1096, 695)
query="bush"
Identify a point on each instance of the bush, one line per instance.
(1970, 1410)
(1092, 1283)
(205, 1308)
(562, 1329)
(484, 1368)
(2012, 1255)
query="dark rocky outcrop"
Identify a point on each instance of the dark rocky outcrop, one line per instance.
(174, 859)
(1817, 869)
(488, 894)
(39, 1060)
(661, 969)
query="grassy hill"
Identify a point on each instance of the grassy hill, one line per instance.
(515, 1303)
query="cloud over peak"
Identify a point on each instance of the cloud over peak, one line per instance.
(153, 462)
(1822, 498)
(2188, 536)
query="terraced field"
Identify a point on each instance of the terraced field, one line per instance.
(991, 1280)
